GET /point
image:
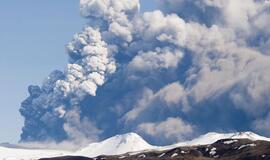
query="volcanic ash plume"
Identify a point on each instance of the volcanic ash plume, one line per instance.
(91, 62)
(169, 74)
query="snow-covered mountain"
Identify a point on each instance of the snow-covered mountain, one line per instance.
(116, 145)
(212, 137)
(133, 143)
(120, 144)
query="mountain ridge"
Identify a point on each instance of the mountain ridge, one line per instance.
(224, 149)
(130, 143)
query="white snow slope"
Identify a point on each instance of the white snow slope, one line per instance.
(212, 137)
(28, 154)
(120, 144)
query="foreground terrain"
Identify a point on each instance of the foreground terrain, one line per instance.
(231, 146)
(226, 149)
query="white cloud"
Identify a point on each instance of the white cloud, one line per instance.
(61, 111)
(171, 95)
(156, 26)
(154, 60)
(263, 125)
(140, 106)
(79, 129)
(171, 128)
(111, 10)
(89, 70)
(120, 31)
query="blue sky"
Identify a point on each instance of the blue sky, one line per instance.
(31, 33)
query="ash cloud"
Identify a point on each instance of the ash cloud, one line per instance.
(190, 67)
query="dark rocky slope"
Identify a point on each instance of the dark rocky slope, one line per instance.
(226, 149)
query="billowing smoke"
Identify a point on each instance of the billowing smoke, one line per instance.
(170, 74)
(56, 102)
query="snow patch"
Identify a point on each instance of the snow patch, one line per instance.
(163, 154)
(230, 141)
(213, 151)
(122, 157)
(247, 145)
(174, 155)
(142, 156)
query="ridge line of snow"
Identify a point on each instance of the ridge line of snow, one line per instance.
(130, 143)
(212, 137)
